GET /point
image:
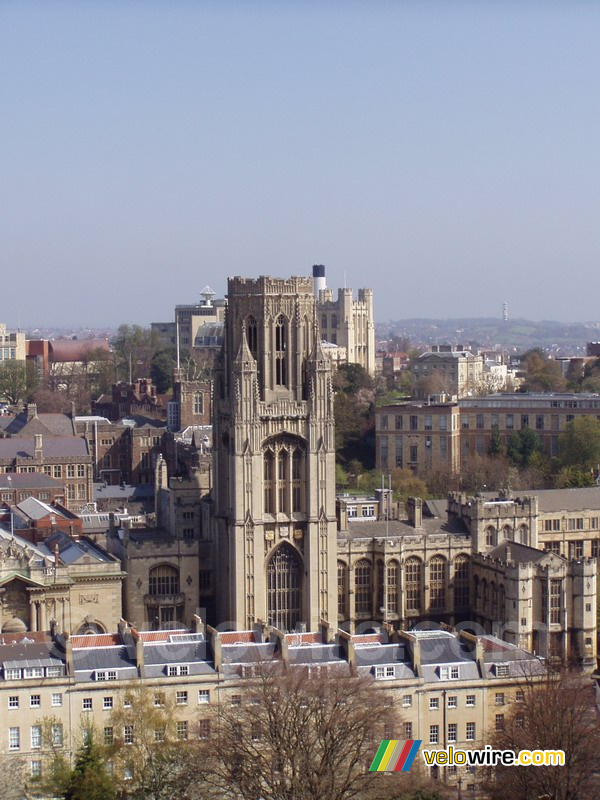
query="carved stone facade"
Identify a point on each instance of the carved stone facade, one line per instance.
(274, 459)
(73, 582)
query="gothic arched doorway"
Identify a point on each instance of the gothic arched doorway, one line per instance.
(284, 589)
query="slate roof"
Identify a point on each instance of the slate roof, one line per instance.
(46, 424)
(399, 528)
(28, 480)
(554, 500)
(517, 553)
(54, 447)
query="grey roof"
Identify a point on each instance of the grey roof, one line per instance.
(517, 553)
(314, 654)
(375, 655)
(71, 551)
(398, 528)
(37, 509)
(247, 653)
(175, 652)
(28, 480)
(445, 648)
(436, 508)
(27, 651)
(55, 447)
(555, 500)
(50, 424)
(87, 659)
(140, 492)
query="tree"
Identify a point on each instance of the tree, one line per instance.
(496, 447)
(146, 746)
(557, 714)
(135, 347)
(89, 779)
(579, 445)
(161, 370)
(522, 446)
(296, 736)
(13, 381)
(542, 374)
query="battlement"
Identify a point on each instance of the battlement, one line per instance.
(266, 285)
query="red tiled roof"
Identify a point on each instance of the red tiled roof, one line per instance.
(237, 636)
(157, 636)
(368, 638)
(96, 640)
(304, 638)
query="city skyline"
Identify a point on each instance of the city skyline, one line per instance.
(441, 154)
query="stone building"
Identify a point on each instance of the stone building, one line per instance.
(449, 435)
(346, 322)
(448, 369)
(72, 581)
(274, 459)
(12, 345)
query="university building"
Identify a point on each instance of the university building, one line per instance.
(434, 435)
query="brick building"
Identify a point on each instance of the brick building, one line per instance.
(139, 398)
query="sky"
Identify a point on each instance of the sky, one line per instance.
(445, 154)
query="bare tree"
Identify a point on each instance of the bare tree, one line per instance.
(559, 713)
(298, 736)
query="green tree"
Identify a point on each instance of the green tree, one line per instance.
(89, 779)
(135, 347)
(579, 445)
(573, 478)
(161, 370)
(341, 477)
(542, 374)
(13, 381)
(523, 446)
(496, 447)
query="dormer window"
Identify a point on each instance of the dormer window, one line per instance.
(449, 673)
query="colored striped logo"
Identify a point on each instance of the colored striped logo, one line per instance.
(395, 755)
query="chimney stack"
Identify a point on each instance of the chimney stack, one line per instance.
(31, 411)
(319, 278)
(38, 451)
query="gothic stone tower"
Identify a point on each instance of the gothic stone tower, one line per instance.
(274, 460)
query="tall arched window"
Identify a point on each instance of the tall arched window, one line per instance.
(490, 536)
(342, 581)
(363, 587)
(392, 576)
(284, 588)
(437, 583)
(507, 533)
(523, 534)
(380, 586)
(413, 571)
(268, 477)
(461, 581)
(284, 476)
(281, 346)
(282, 481)
(252, 336)
(164, 580)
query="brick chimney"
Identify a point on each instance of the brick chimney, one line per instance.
(31, 411)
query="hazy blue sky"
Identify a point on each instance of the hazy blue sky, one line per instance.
(444, 153)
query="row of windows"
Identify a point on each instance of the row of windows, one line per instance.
(445, 422)
(571, 524)
(16, 674)
(56, 736)
(388, 582)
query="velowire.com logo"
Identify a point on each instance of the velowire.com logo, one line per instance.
(395, 755)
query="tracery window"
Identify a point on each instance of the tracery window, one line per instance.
(284, 588)
(363, 590)
(437, 583)
(413, 571)
(281, 365)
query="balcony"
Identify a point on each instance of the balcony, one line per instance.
(157, 600)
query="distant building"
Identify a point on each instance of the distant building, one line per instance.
(448, 435)
(346, 322)
(12, 345)
(58, 361)
(450, 370)
(130, 399)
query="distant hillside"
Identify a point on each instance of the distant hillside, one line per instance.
(517, 335)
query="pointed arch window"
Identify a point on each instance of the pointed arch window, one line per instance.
(268, 479)
(363, 580)
(281, 347)
(437, 583)
(461, 581)
(392, 575)
(414, 583)
(284, 589)
(342, 580)
(252, 336)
